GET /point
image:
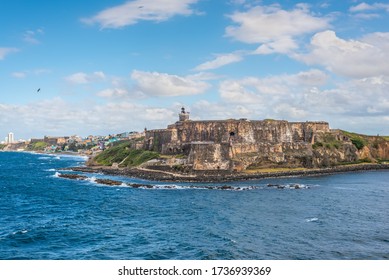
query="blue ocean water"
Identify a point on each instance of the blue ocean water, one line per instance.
(42, 216)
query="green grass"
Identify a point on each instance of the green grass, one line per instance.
(37, 146)
(358, 140)
(137, 157)
(329, 142)
(114, 154)
(123, 153)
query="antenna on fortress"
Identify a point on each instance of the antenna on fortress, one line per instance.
(183, 116)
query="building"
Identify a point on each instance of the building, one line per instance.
(236, 144)
(10, 138)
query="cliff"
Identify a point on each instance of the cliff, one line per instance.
(231, 146)
(238, 145)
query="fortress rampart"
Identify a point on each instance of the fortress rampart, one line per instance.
(235, 144)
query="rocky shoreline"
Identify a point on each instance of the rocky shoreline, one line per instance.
(221, 176)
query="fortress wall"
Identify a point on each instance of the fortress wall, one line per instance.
(212, 144)
(271, 154)
(215, 131)
(244, 131)
(155, 139)
(236, 130)
(209, 156)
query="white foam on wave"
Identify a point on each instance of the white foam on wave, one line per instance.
(50, 170)
(199, 187)
(168, 187)
(314, 219)
(44, 158)
(92, 179)
(23, 231)
(56, 174)
(290, 186)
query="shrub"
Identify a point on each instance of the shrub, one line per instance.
(37, 146)
(358, 140)
(317, 145)
(137, 157)
(358, 143)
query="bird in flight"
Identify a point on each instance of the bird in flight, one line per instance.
(38, 90)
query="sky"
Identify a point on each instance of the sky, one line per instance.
(105, 67)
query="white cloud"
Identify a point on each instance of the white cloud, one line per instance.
(274, 88)
(57, 117)
(239, 92)
(219, 61)
(369, 11)
(114, 93)
(363, 7)
(361, 105)
(162, 84)
(84, 78)
(30, 36)
(19, 75)
(26, 73)
(352, 58)
(274, 27)
(282, 97)
(6, 51)
(132, 12)
(283, 45)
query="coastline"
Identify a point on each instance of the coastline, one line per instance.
(223, 176)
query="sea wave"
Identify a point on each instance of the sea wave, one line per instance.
(45, 158)
(290, 186)
(309, 220)
(107, 181)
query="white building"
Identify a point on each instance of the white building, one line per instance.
(10, 138)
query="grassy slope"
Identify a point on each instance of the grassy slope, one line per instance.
(123, 154)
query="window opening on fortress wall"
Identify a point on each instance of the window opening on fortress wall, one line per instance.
(232, 133)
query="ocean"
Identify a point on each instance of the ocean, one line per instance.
(45, 217)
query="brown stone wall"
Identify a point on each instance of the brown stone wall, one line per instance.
(236, 131)
(226, 144)
(209, 156)
(155, 139)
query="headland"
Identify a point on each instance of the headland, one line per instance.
(241, 149)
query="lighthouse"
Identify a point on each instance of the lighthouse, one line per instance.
(183, 116)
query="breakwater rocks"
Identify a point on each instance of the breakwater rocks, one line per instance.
(221, 175)
(83, 177)
(109, 182)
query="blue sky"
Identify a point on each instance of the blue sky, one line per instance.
(113, 66)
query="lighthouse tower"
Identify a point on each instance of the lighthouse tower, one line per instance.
(183, 116)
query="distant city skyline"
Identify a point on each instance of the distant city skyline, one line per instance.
(87, 67)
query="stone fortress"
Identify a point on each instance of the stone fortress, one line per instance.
(236, 145)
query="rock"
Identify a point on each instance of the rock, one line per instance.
(137, 186)
(108, 182)
(72, 176)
